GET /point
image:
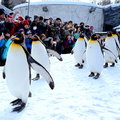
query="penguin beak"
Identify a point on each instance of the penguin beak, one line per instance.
(15, 38)
(12, 37)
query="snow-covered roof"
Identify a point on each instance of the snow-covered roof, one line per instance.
(117, 27)
(58, 2)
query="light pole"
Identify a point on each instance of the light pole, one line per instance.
(28, 7)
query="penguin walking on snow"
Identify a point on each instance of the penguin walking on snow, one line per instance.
(110, 43)
(94, 57)
(79, 51)
(39, 53)
(18, 74)
(115, 36)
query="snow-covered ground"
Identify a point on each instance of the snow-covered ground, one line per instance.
(75, 97)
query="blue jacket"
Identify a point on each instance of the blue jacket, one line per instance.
(2, 42)
(6, 46)
(28, 42)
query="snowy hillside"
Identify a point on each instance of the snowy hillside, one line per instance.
(75, 97)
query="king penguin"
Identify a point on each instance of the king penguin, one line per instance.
(110, 43)
(115, 36)
(39, 53)
(18, 74)
(79, 51)
(94, 57)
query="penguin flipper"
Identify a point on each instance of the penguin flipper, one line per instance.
(3, 74)
(54, 53)
(40, 69)
(72, 51)
(106, 50)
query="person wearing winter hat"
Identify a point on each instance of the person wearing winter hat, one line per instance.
(20, 18)
(28, 41)
(34, 24)
(26, 26)
(28, 18)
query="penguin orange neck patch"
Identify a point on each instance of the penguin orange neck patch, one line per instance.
(80, 38)
(109, 37)
(113, 34)
(92, 41)
(34, 42)
(15, 45)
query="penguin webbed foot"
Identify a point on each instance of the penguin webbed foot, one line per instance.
(30, 94)
(37, 77)
(16, 102)
(116, 61)
(91, 74)
(97, 76)
(3, 74)
(119, 57)
(81, 66)
(60, 59)
(113, 64)
(51, 84)
(77, 65)
(106, 65)
(83, 61)
(19, 108)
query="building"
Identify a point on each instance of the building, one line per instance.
(76, 11)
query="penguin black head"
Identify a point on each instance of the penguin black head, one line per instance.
(94, 37)
(19, 38)
(109, 34)
(114, 32)
(81, 35)
(35, 38)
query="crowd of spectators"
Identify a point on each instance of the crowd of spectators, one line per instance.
(55, 34)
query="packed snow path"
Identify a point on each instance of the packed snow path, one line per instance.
(75, 97)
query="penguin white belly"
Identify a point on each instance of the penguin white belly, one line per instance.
(40, 54)
(94, 57)
(111, 45)
(79, 50)
(17, 72)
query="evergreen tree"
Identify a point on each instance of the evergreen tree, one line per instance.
(11, 3)
(104, 2)
(117, 1)
(7, 3)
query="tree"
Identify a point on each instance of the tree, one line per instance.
(7, 3)
(117, 1)
(94, 1)
(11, 3)
(104, 2)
